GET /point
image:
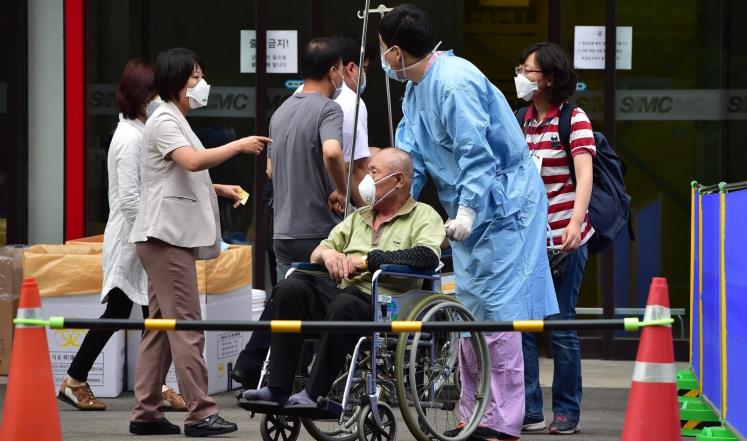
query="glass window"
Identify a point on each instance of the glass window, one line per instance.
(581, 13)
(680, 111)
(119, 31)
(4, 159)
(13, 122)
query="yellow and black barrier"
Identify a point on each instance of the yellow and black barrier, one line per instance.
(296, 326)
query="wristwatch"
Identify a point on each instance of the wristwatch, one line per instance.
(364, 259)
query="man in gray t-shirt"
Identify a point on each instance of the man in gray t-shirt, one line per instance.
(305, 160)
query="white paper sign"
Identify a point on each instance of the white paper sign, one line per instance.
(588, 48)
(282, 52)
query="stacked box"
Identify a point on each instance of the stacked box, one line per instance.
(11, 277)
(70, 280)
(225, 285)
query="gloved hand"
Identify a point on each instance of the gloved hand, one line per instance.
(460, 227)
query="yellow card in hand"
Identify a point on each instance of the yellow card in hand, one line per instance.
(244, 196)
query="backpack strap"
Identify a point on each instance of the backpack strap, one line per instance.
(520, 115)
(564, 131)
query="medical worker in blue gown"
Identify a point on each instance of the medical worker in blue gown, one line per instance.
(460, 130)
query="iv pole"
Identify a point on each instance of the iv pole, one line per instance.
(381, 9)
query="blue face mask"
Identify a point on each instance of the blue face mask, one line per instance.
(388, 71)
(401, 74)
(363, 83)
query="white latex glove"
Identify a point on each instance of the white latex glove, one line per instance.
(460, 227)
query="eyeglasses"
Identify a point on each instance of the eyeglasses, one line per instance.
(519, 70)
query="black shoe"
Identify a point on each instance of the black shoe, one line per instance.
(160, 427)
(240, 377)
(210, 426)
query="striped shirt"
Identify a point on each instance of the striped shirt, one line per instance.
(543, 140)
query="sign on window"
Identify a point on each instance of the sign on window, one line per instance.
(282, 52)
(589, 44)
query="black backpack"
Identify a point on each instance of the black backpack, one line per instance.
(609, 207)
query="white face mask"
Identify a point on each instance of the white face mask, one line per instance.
(525, 89)
(338, 90)
(198, 95)
(367, 190)
(152, 106)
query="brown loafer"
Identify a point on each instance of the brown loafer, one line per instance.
(173, 401)
(81, 397)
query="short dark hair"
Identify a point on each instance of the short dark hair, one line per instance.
(319, 56)
(350, 48)
(408, 27)
(173, 69)
(554, 62)
(135, 88)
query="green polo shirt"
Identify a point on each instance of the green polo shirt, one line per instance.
(415, 224)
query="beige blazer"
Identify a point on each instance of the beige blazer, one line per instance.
(177, 206)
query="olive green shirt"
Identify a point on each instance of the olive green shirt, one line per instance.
(415, 224)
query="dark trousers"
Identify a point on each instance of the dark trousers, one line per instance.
(118, 306)
(301, 298)
(289, 251)
(251, 359)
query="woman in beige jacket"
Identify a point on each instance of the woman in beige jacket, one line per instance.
(178, 222)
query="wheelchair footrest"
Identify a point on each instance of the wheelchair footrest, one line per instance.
(311, 411)
(320, 411)
(268, 407)
(330, 406)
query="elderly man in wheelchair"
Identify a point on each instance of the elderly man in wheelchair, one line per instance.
(393, 229)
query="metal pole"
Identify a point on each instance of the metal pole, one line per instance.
(606, 259)
(349, 191)
(389, 111)
(261, 128)
(360, 327)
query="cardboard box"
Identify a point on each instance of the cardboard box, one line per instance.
(90, 241)
(225, 294)
(11, 277)
(107, 374)
(70, 280)
(8, 309)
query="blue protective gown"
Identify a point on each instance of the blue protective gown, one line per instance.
(458, 128)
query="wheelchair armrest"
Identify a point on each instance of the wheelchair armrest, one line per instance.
(405, 269)
(306, 266)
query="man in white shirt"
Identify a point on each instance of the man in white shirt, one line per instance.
(349, 47)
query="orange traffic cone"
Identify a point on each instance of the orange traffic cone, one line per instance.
(30, 405)
(653, 412)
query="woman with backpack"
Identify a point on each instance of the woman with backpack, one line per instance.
(545, 78)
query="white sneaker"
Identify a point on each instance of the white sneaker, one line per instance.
(537, 427)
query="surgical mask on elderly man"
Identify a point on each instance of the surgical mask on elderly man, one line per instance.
(198, 95)
(367, 189)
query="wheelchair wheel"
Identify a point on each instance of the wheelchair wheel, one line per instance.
(279, 428)
(427, 375)
(333, 430)
(368, 430)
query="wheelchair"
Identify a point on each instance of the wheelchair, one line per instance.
(417, 372)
